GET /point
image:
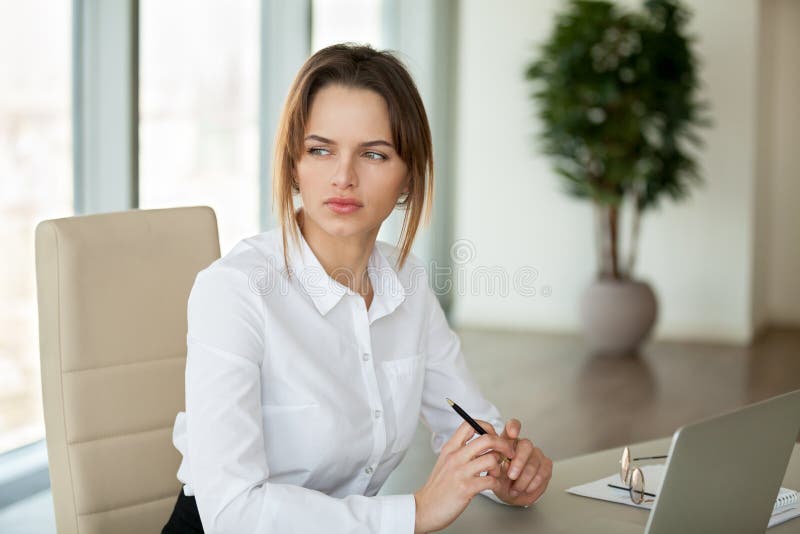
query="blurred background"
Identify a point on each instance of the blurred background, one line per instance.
(125, 104)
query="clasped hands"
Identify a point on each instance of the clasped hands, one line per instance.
(526, 477)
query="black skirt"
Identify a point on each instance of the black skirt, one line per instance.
(185, 518)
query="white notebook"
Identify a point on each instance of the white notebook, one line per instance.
(787, 505)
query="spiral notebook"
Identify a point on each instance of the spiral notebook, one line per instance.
(787, 505)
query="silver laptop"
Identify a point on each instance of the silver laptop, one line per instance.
(723, 474)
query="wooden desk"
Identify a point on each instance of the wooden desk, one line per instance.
(560, 512)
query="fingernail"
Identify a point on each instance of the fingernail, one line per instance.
(536, 481)
(514, 473)
(514, 493)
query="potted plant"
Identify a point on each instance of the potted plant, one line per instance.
(616, 94)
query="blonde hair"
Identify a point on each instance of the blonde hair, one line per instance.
(362, 67)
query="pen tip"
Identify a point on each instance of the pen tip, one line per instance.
(449, 401)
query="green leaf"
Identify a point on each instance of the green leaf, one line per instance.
(617, 94)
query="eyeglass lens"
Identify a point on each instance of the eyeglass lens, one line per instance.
(625, 465)
(637, 485)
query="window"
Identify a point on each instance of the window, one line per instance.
(198, 127)
(35, 184)
(358, 21)
(335, 21)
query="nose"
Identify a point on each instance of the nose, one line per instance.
(345, 175)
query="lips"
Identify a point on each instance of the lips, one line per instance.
(342, 206)
(343, 201)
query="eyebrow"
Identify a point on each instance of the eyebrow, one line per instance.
(321, 139)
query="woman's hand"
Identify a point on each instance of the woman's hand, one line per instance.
(456, 479)
(525, 479)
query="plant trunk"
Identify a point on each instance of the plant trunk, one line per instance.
(634, 245)
(613, 233)
(600, 239)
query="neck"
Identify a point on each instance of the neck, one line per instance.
(344, 259)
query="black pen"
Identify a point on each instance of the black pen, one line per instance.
(478, 428)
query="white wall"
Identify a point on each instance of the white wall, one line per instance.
(699, 255)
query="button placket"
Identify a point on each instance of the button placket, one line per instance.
(364, 342)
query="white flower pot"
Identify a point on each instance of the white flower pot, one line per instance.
(617, 315)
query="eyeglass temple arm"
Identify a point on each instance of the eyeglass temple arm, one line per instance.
(649, 458)
(629, 489)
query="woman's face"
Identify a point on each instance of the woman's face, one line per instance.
(348, 153)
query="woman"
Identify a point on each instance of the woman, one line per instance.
(313, 349)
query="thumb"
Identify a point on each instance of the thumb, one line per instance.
(512, 429)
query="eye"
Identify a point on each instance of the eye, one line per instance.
(377, 156)
(317, 151)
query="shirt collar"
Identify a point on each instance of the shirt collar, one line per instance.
(326, 292)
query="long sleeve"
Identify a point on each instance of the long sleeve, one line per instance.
(228, 469)
(447, 375)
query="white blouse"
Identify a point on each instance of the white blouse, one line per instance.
(300, 400)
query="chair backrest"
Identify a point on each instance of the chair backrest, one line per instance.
(112, 294)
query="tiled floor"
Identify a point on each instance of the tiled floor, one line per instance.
(571, 402)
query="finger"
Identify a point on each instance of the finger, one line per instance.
(459, 437)
(511, 431)
(530, 470)
(496, 471)
(537, 494)
(486, 442)
(478, 484)
(543, 476)
(524, 450)
(512, 428)
(541, 473)
(487, 462)
(488, 447)
(530, 498)
(487, 426)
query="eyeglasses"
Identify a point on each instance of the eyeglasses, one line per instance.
(633, 478)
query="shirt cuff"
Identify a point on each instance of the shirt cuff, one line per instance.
(399, 514)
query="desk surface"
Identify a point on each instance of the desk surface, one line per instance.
(559, 512)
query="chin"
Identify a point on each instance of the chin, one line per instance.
(341, 229)
(338, 225)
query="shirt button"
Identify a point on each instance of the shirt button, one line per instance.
(365, 356)
(377, 414)
(368, 470)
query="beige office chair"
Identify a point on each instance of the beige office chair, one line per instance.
(112, 292)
